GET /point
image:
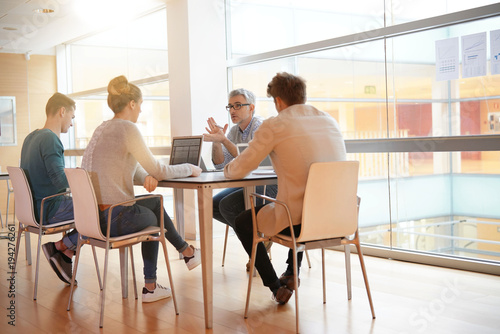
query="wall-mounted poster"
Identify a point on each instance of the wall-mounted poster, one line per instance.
(8, 121)
(447, 59)
(474, 55)
(495, 51)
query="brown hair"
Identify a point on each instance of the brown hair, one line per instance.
(121, 92)
(288, 87)
(58, 101)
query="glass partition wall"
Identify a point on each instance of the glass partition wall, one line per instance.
(429, 149)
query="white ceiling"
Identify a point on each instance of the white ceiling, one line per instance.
(71, 19)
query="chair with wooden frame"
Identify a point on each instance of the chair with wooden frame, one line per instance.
(25, 213)
(329, 218)
(88, 225)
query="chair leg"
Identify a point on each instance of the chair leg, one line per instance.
(308, 261)
(269, 252)
(296, 283)
(8, 202)
(103, 292)
(27, 245)
(37, 262)
(97, 268)
(347, 253)
(250, 276)
(323, 274)
(365, 276)
(169, 272)
(133, 271)
(18, 242)
(225, 244)
(75, 269)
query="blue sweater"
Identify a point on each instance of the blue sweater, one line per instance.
(42, 159)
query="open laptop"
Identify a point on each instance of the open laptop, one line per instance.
(186, 149)
(205, 169)
(265, 165)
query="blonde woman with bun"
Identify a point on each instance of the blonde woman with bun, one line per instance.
(116, 158)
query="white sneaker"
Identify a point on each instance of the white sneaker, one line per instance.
(195, 260)
(160, 292)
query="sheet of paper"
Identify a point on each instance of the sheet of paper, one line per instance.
(474, 55)
(495, 51)
(447, 59)
(263, 172)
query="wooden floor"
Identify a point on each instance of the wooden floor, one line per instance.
(408, 298)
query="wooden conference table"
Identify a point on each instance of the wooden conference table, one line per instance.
(205, 184)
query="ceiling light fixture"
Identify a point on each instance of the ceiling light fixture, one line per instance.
(43, 11)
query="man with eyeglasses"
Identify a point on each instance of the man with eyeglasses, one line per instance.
(229, 203)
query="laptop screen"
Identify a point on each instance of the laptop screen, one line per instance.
(264, 164)
(186, 150)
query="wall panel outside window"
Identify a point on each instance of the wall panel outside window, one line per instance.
(382, 88)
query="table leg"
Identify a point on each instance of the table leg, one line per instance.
(179, 212)
(247, 191)
(206, 235)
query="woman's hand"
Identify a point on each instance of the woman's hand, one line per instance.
(195, 170)
(150, 183)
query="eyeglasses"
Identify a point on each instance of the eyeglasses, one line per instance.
(236, 106)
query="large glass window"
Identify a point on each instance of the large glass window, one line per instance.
(129, 49)
(385, 89)
(256, 26)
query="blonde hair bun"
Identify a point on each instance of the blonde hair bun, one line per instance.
(121, 92)
(118, 86)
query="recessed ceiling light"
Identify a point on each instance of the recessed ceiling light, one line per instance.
(43, 11)
(9, 28)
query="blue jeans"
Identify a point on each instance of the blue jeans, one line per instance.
(232, 205)
(229, 203)
(63, 213)
(130, 219)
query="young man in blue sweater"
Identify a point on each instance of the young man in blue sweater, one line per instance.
(42, 159)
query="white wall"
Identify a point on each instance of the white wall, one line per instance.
(197, 74)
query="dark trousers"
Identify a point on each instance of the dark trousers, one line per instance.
(244, 231)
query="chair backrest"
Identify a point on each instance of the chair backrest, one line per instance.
(330, 201)
(84, 203)
(25, 211)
